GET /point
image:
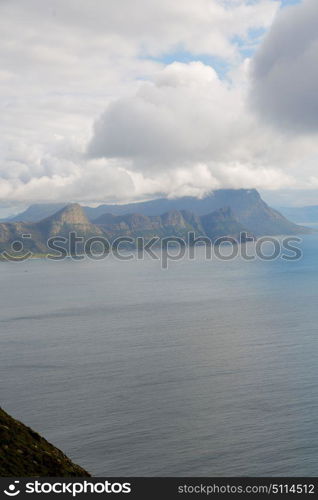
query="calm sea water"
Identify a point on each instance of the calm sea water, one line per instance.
(209, 368)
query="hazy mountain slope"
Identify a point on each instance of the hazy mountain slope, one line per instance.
(174, 223)
(301, 214)
(37, 212)
(24, 453)
(171, 223)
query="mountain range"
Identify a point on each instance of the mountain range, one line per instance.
(247, 205)
(223, 213)
(72, 218)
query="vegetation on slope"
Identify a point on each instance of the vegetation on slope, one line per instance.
(24, 453)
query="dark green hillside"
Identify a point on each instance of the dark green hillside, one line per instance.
(24, 453)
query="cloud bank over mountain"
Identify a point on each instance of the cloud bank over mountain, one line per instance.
(116, 101)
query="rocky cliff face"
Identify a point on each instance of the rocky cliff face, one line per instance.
(174, 223)
(127, 224)
(223, 223)
(11, 233)
(24, 453)
(141, 225)
(70, 219)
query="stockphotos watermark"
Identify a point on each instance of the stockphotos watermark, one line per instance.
(73, 488)
(164, 250)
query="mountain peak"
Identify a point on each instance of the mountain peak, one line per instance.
(72, 217)
(71, 214)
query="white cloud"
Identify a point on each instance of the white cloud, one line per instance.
(186, 114)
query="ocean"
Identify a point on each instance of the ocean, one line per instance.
(208, 368)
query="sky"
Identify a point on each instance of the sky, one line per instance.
(124, 100)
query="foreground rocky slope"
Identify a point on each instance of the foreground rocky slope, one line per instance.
(24, 453)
